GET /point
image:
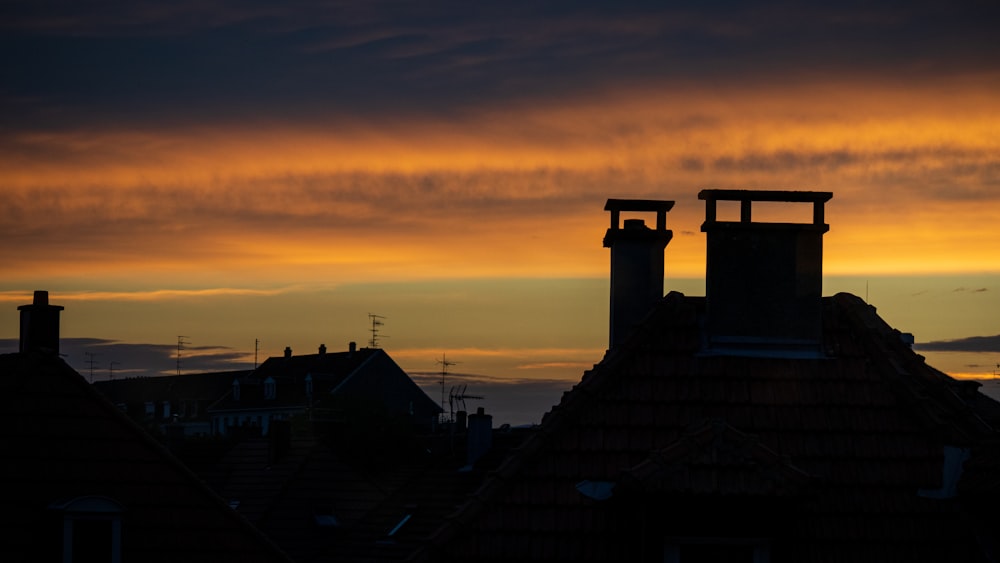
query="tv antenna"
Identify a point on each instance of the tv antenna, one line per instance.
(445, 364)
(376, 322)
(180, 346)
(256, 348)
(457, 396)
(92, 362)
(111, 370)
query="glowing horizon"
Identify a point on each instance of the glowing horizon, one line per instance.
(451, 169)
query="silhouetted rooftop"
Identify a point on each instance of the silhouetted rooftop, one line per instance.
(834, 458)
(63, 440)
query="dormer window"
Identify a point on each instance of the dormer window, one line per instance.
(269, 388)
(91, 529)
(236, 389)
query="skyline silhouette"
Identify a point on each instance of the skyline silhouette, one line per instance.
(274, 174)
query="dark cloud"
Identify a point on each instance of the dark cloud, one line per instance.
(188, 60)
(138, 360)
(969, 344)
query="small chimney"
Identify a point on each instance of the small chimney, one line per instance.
(764, 281)
(352, 347)
(288, 351)
(636, 263)
(480, 435)
(322, 349)
(40, 325)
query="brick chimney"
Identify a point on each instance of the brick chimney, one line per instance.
(636, 262)
(764, 281)
(40, 325)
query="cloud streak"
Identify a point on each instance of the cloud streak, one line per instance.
(100, 359)
(968, 344)
(237, 196)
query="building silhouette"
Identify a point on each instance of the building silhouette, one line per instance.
(83, 482)
(761, 422)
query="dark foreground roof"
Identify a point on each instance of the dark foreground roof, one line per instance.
(62, 440)
(662, 447)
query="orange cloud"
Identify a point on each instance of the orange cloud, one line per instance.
(506, 191)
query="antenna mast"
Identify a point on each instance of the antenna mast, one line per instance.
(444, 372)
(180, 346)
(92, 362)
(111, 370)
(376, 322)
(256, 348)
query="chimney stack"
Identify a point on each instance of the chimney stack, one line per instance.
(480, 435)
(322, 349)
(764, 281)
(636, 263)
(40, 325)
(288, 351)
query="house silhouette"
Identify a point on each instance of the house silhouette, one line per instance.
(761, 422)
(83, 482)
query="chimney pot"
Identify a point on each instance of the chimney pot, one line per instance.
(288, 351)
(636, 262)
(352, 347)
(322, 349)
(40, 325)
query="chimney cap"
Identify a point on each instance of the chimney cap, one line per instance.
(40, 299)
(660, 207)
(746, 197)
(638, 205)
(764, 195)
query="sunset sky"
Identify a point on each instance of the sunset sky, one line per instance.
(237, 170)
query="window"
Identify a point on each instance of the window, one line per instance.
(236, 390)
(269, 390)
(91, 529)
(309, 385)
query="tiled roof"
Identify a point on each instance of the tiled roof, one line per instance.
(199, 386)
(327, 370)
(63, 440)
(714, 441)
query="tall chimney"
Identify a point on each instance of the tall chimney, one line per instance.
(764, 281)
(480, 435)
(40, 325)
(636, 263)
